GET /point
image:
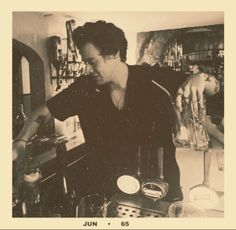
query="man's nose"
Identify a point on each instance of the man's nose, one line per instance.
(88, 69)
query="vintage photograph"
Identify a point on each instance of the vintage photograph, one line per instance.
(118, 114)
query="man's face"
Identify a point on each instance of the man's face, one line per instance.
(101, 68)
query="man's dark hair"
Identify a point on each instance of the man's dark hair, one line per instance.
(108, 38)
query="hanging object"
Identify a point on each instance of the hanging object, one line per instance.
(70, 25)
(56, 59)
(66, 64)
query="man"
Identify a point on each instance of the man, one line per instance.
(120, 108)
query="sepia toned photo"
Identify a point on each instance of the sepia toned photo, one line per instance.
(117, 115)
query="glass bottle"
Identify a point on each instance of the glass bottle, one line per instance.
(19, 121)
(192, 131)
(197, 126)
(181, 137)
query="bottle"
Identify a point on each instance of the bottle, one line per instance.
(199, 138)
(68, 202)
(19, 120)
(192, 132)
(65, 193)
(30, 188)
(16, 204)
(181, 138)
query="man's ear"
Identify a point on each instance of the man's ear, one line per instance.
(117, 55)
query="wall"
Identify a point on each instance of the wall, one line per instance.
(34, 28)
(140, 21)
(31, 29)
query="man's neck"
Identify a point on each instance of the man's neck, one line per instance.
(120, 77)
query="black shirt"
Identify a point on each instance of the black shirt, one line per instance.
(112, 135)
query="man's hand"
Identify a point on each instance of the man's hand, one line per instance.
(192, 88)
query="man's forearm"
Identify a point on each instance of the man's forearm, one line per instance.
(38, 117)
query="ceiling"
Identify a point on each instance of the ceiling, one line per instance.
(143, 20)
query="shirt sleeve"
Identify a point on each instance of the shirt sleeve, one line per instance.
(68, 102)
